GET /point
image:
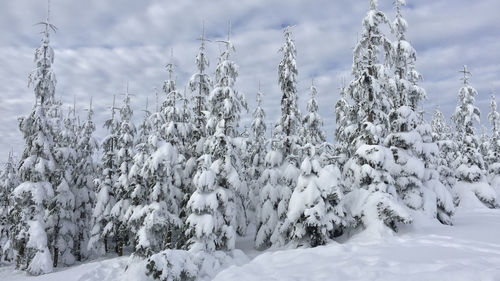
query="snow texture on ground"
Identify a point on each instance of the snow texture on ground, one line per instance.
(467, 251)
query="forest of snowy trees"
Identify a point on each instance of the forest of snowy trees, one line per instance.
(178, 188)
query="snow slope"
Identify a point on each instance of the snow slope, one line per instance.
(469, 250)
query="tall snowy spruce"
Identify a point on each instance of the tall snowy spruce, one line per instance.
(160, 225)
(410, 141)
(36, 170)
(85, 174)
(8, 181)
(471, 188)
(493, 157)
(373, 199)
(105, 196)
(282, 161)
(221, 148)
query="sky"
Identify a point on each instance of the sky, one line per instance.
(101, 46)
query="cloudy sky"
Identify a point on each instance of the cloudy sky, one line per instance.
(102, 45)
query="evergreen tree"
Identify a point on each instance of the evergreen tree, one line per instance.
(36, 169)
(61, 210)
(225, 105)
(105, 195)
(205, 216)
(448, 149)
(139, 184)
(257, 149)
(471, 187)
(312, 123)
(85, 174)
(343, 118)
(8, 181)
(118, 226)
(200, 84)
(493, 157)
(373, 198)
(313, 213)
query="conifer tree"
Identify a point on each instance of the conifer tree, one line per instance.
(85, 174)
(257, 148)
(61, 210)
(204, 219)
(471, 187)
(313, 213)
(373, 198)
(225, 105)
(493, 157)
(105, 196)
(117, 226)
(8, 181)
(312, 123)
(200, 85)
(139, 184)
(343, 121)
(36, 169)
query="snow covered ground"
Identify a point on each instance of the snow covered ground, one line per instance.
(469, 250)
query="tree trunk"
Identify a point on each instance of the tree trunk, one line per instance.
(56, 256)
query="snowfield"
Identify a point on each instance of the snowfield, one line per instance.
(467, 251)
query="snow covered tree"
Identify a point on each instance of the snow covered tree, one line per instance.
(105, 195)
(471, 188)
(289, 124)
(36, 169)
(312, 123)
(314, 211)
(372, 200)
(61, 209)
(225, 105)
(448, 149)
(8, 181)
(139, 184)
(200, 84)
(118, 226)
(493, 157)
(343, 133)
(257, 149)
(85, 174)
(205, 217)
(269, 197)
(403, 58)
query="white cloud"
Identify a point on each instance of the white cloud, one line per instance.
(101, 45)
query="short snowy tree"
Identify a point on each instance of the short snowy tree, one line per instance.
(313, 212)
(471, 188)
(493, 157)
(311, 122)
(203, 223)
(343, 128)
(8, 181)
